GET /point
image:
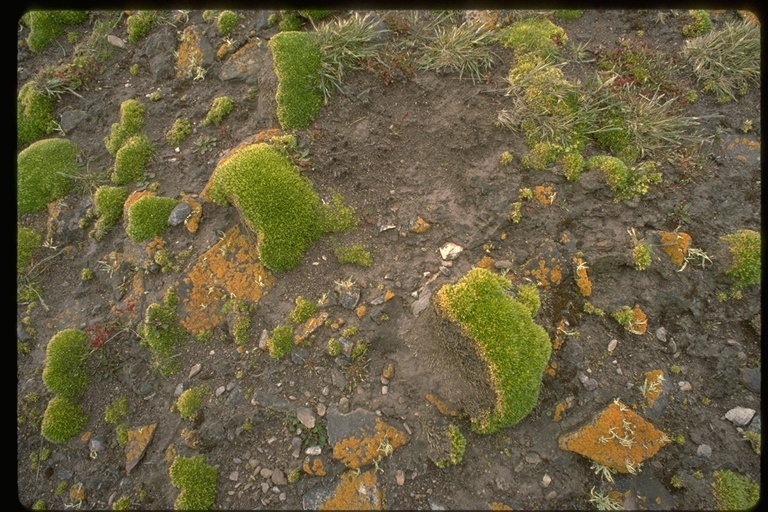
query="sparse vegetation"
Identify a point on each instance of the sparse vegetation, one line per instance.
(221, 107)
(354, 254)
(280, 341)
(27, 242)
(162, 334)
(177, 133)
(302, 311)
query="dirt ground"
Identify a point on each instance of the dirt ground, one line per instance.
(415, 145)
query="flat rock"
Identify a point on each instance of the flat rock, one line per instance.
(352, 492)
(138, 441)
(740, 416)
(306, 417)
(361, 436)
(450, 251)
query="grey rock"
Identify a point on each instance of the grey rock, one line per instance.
(750, 379)
(532, 458)
(704, 450)
(179, 214)
(661, 334)
(296, 447)
(591, 384)
(278, 477)
(264, 487)
(306, 417)
(70, 119)
(266, 473)
(343, 404)
(195, 370)
(740, 416)
(299, 354)
(421, 303)
(115, 41)
(350, 298)
(450, 251)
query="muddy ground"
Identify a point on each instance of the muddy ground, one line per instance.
(397, 148)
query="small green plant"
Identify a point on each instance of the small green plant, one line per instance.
(302, 311)
(515, 212)
(641, 251)
(592, 310)
(226, 21)
(241, 321)
(354, 254)
(117, 410)
(528, 295)
(537, 36)
(86, 274)
(290, 21)
(280, 341)
(297, 61)
(675, 369)
(131, 159)
(755, 440)
(65, 372)
(189, 402)
(359, 349)
(63, 419)
(108, 202)
(162, 333)
(139, 24)
(294, 476)
(46, 171)
(334, 347)
(627, 318)
(130, 124)
(34, 114)
(134, 70)
(745, 249)
(27, 242)
(603, 501)
(181, 129)
(626, 182)
(458, 444)
(221, 107)
(506, 158)
(700, 23)
(568, 14)
(197, 481)
(336, 216)
(47, 25)
(465, 49)
(677, 482)
(148, 217)
(122, 503)
(735, 492)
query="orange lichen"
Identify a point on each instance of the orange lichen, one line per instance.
(389, 371)
(544, 195)
(619, 439)
(138, 440)
(310, 326)
(652, 387)
(193, 221)
(547, 276)
(442, 406)
(551, 370)
(77, 493)
(313, 466)
(676, 245)
(497, 505)
(639, 321)
(559, 410)
(582, 279)
(357, 452)
(487, 263)
(420, 226)
(355, 492)
(389, 295)
(189, 54)
(228, 269)
(360, 311)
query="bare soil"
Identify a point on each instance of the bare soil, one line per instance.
(420, 144)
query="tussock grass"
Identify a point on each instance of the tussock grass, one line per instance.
(465, 49)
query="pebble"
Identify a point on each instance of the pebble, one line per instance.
(115, 41)
(234, 476)
(532, 458)
(321, 408)
(740, 416)
(264, 487)
(314, 450)
(296, 447)
(400, 477)
(684, 385)
(195, 370)
(546, 480)
(612, 345)
(704, 450)
(551, 495)
(661, 334)
(283, 496)
(265, 473)
(450, 251)
(344, 404)
(306, 417)
(590, 385)
(220, 390)
(278, 477)
(384, 390)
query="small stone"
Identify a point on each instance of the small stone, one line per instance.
(313, 450)
(591, 384)
(704, 450)
(384, 390)
(263, 339)
(551, 495)
(344, 404)
(296, 447)
(684, 385)
(179, 389)
(740, 416)
(195, 370)
(400, 477)
(264, 487)
(115, 41)
(265, 473)
(661, 334)
(612, 345)
(283, 496)
(321, 408)
(546, 480)
(233, 476)
(278, 477)
(503, 265)
(179, 214)
(220, 390)
(450, 251)
(532, 458)
(306, 417)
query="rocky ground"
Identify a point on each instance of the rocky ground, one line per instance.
(417, 154)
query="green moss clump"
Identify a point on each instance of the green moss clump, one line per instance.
(190, 401)
(515, 349)
(197, 481)
(541, 155)
(45, 26)
(222, 107)
(354, 254)
(180, 130)
(148, 217)
(117, 410)
(528, 296)
(131, 159)
(27, 242)
(458, 445)
(337, 217)
(316, 14)
(641, 255)
(122, 503)
(34, 114)
(280, 341)
(139, 25)
(568, 14)
(626, 183)
(535, 35)
(277, 203)
(745, 247)
(302, 311)
(162, 333)
(108, 202)
(735, 492)
(65, 372)
(700, 23)
(226, 21)
(46, 171)
(290, 21)
(130, 124)
(62, 420)
(297, 65)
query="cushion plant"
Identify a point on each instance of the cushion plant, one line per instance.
(297, 64)
(65, 372)
(45, 172)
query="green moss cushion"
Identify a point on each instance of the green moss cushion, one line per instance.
(515, 349)
(45, 172)
(65, 372)
(62, 420)
(34, 114)
(297, 66)
(277, 202)
(148, 217)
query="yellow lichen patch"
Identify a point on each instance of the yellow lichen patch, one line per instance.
(559, 410)
(497, 505)
(442, 406)
(389, 295)
(357, 452)
(310, 326)
(360, 311)
(639, 321)
(189, 55)
(138, 440)
(355, 492)
(193, 221)
(487, 263)
(676, 245)
(313, 466)
(547, 277)
(544, 195)
(230, 268)
(582, 279)
(652, 386)
(389, 371)
(77, 493)
(619, 439)
(420, 226)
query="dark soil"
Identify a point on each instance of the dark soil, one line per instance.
(418, 144)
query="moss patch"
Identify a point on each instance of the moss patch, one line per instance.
(65, 373)
(297, 65)
(47, 25)
(162, 334)
(745, 247)
(34, 114)
(45, 172)
(515, 349)
(27, 242)
(147, 217)
(197, 481)
(108, 202)
(63, 419)
(735, 492)
(131, 159)
(130, 124)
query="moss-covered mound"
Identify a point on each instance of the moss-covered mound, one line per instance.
(45, 172)
(65, 373)
(505, 337)
(108, 202)
(131, 159)
(34, 114)
(297, 65)
(27, 242)
(745, 247)
(46, 25)
(277, 202)
(130, 124)
(147, 217)
(62, 420)
(197, 481)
